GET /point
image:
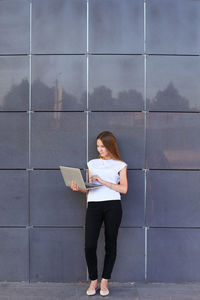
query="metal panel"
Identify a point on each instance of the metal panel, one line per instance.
(173, 198)
(14, 24)
(52, 203)
(172, 83)
(14, 198)
(173, 26)
(59, 82)
(57, 254)
(116, 26)
(172, 140)
(14, 258)
(59, 26)
(14, 83)
(173, 254)
(58, 139)
(116, 82)
(133, 201)
(14, 140)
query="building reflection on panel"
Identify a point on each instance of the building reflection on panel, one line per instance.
(172, 140)
(173, 83)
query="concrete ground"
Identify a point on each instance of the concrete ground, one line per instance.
(121, 291)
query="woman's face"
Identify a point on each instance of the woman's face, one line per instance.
(102, 149)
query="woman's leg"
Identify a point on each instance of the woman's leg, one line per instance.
(112, 221)
(93, 224)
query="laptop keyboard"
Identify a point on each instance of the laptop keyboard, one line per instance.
(91, 184)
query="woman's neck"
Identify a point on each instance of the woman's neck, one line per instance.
(106, 158)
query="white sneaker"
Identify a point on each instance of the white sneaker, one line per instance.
(91, 291)
(104, 291)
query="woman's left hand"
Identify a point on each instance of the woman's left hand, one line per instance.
(97, 178)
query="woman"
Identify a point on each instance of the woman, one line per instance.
(104, 205)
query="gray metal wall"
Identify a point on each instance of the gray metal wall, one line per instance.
(68, 70)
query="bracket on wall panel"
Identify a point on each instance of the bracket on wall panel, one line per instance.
(145, 227)
(29, 227)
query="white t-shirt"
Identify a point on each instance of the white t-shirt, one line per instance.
(106, 169)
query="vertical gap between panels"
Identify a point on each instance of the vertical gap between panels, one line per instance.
(30, 26)
(145, 222)
(145, 111)
(29, 137)
(29, 240)
(145, 195)
(145, 31)
(87, 72)
(30, 80)
(145, 85)
(145, 82)
(87, 1)
(87, 92)
(145, 136)
(145, 255)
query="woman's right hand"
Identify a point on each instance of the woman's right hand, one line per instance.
(74, 186)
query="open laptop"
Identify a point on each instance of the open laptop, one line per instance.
(74, 174)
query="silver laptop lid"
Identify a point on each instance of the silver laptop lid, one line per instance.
(74, 174)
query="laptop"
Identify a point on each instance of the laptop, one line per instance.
(74, 174)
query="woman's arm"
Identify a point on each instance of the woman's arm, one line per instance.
(122, 187)
(76, 188)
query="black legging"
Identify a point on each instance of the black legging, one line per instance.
(109, 211)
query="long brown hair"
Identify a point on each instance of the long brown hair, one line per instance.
(110, 143)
